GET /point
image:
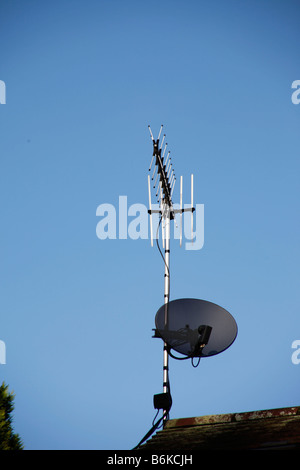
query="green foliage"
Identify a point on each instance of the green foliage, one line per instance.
(8, 439)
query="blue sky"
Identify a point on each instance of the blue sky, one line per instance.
(83, 81)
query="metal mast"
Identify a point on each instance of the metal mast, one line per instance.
(163, 178)
(166, 219)
(188, 337)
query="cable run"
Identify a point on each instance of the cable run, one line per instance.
(151, 431)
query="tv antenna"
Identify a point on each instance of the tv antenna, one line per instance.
(163, 180)
(193, 328)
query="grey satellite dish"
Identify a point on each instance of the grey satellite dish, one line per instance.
(195, 328)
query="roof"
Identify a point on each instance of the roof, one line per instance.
(257, 430)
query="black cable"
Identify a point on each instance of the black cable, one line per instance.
(168, 269)
(164, 260)
(150, 432)
(155, 417)
(190, 356)
(197, 364)
(178, 358)
(166, 414)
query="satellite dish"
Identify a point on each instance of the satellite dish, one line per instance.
(195, 328)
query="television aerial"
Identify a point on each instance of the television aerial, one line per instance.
(193, 328)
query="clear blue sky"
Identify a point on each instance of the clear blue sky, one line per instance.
(83, 81)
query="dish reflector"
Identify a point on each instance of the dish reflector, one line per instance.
(186, 319)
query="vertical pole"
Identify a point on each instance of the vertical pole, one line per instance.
(192, 205)
(181, 183)
(162, 205)
(149, 194)
(167, 293)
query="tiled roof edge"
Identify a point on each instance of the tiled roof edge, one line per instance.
(232, 417)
